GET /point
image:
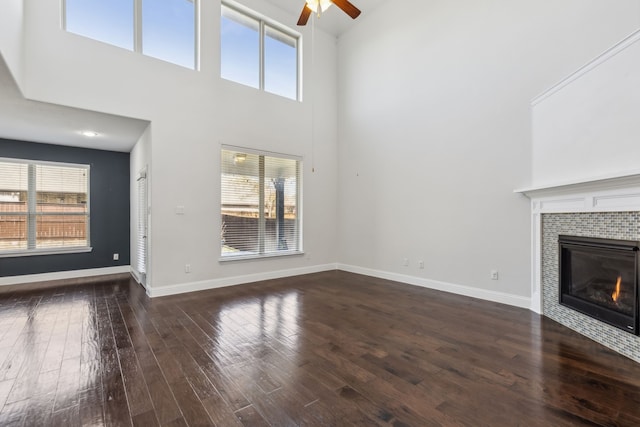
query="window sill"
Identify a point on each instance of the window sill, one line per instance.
(37, 252)
(245, 257)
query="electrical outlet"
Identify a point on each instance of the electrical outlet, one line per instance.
(405, 262)
(494, 275)
(421, 265)
(187, 268)
(116, 257)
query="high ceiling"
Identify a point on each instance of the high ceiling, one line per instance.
(333, 21)
(22, 119)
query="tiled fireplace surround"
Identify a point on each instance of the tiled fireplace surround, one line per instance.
(607, 208)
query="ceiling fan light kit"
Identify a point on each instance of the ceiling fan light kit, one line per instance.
(319, 6)
(313, 5)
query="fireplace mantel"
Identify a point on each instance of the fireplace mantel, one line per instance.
(624, 186)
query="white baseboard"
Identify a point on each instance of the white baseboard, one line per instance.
(61, 275)
(484, 294)
(236, 280)
(500, 297)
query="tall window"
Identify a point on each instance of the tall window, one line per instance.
(257, 53)
(260, 204)
(163, 29)
(44, 207)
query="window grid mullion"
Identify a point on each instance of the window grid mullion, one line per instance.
(63, 15)
(31, 207)
(298, 207)
(261, 198)
(298, 70)
(137, 26)
(196, 36)
(262, 36)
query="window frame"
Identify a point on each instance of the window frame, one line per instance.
(32, 213)
(261, 227)
(265, 22)
(137, 32)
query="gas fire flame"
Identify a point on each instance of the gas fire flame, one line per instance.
(616, 294)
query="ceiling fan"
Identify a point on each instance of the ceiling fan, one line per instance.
(318, 6)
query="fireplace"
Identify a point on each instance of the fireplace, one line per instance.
(599, 277)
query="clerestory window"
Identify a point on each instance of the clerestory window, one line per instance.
(163, 29)
(258, 52)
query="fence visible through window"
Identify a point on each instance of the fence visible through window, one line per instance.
(43, 206)
(260, 212)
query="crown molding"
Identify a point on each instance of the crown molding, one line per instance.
(623, 44)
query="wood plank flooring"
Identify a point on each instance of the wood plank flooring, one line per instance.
(327, 349)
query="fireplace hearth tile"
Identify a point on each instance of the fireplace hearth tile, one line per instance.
(608, 225)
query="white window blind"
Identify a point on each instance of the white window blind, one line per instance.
(260, 204)
(43, 206)
(14, 183)
(142, 226)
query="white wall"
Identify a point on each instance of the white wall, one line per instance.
(11, 37)
(435, 134)
(433, 122)
(589, 126)
(191, 114)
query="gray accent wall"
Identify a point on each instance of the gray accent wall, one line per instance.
(109, 204)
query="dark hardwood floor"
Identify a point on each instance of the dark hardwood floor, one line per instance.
(327, 349)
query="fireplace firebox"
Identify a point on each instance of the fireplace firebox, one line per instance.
(599, 277)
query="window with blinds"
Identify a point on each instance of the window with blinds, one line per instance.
(44, 207)
(142, 226)
(260, 204)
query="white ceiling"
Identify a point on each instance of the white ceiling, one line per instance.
(22, 119)
(333, 21)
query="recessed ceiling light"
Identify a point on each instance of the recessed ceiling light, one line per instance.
(89, 133)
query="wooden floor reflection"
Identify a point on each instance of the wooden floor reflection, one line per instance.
(327, 349)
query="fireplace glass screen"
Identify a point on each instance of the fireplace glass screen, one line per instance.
(599, 277)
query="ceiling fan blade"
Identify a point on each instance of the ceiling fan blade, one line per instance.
(304, 16)
(347, 7)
